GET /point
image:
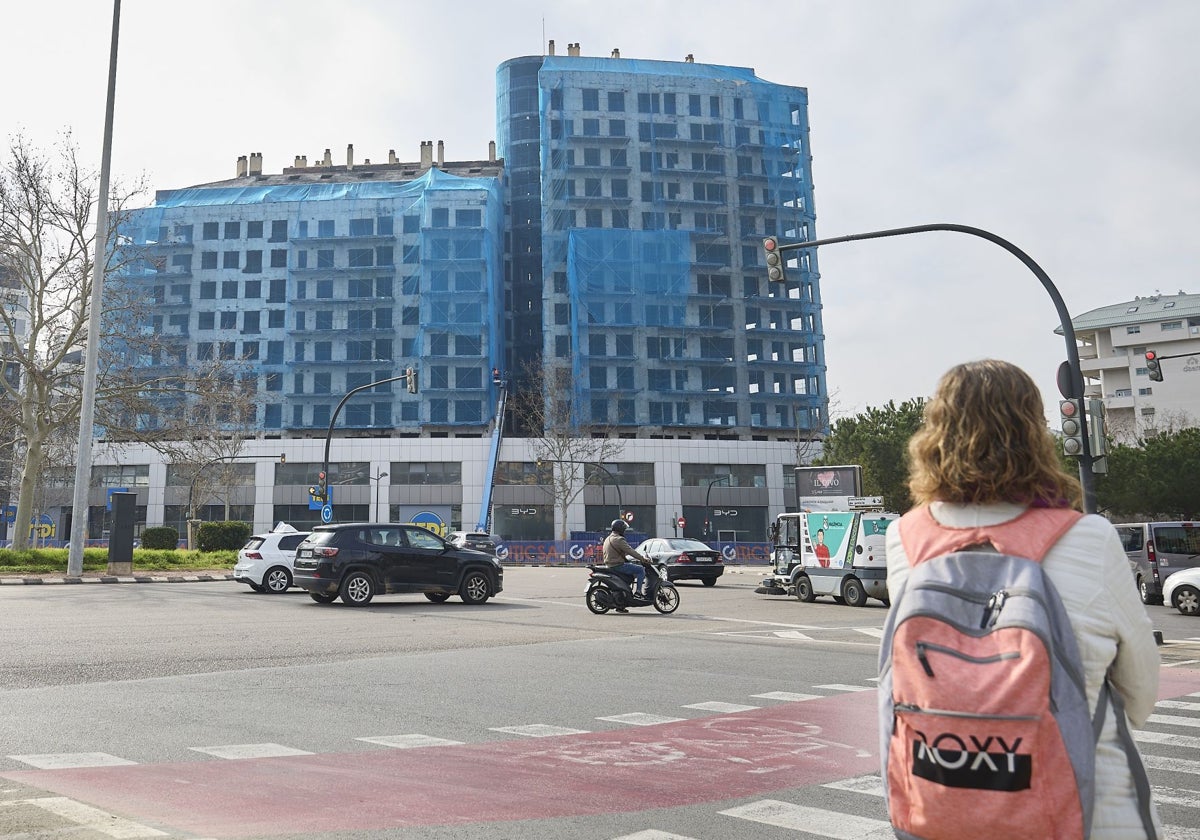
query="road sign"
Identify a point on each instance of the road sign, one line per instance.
(865, 502)
(327, 513)
(682, 522)
(628, 516)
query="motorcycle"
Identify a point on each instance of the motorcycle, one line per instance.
(609, 589)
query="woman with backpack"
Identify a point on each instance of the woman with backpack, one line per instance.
(985, 477)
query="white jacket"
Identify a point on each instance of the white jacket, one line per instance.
(1091, 572)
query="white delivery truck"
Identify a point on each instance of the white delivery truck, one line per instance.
(837, 553)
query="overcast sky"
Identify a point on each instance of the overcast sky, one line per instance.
(1069, 127)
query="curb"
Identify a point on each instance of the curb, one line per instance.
(167, 578)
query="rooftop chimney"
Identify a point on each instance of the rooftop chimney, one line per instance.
(350, 156)
(392, 156)
(328, 161)
(690, 59)
(551, 46)
(616, 53)
(426, 154)
(241, 166)
(491, 150)
(573, 49)
(255, 164)
(441, 153)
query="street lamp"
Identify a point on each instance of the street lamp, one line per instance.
(707, 509)
(409, 376)
(380, 515)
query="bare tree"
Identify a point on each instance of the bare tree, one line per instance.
(47, 249)
(546, 405)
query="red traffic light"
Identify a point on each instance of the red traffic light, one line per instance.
(1151, 355)
(321, 476)
(1067, 408)
(770, 244)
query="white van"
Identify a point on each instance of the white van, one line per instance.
(837, 553)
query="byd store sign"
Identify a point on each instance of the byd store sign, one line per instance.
(729, 513)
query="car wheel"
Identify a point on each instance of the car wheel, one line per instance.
(475, 588)
(804, 590)
(1146, 593)
(257, 588)
(357, 589)
(322, 598)
(666, 599)
(1187, 600)
(854, 592)
(276, 580)
(438, 597)
(710, 581)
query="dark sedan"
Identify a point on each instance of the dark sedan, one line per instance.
(685, 559)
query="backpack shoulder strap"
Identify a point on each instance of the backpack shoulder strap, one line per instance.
(1029, 535)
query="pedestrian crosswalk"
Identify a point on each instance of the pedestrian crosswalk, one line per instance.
(850, 808)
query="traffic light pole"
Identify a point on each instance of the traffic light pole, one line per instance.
(329, 434)
(1087, 477)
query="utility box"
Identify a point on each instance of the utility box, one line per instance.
(120, 540)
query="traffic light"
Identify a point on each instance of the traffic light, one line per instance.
(410, 376)
(321, 490)
(774, 260)
(283, 458)
(1072, 428)
(1153, 366)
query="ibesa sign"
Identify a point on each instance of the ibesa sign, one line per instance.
(949, 760)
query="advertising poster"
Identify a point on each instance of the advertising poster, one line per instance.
(831, 540)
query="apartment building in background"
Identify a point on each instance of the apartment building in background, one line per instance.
(1113, 344)
(610, 239)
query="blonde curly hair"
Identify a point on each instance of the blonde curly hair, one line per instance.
(985, 439)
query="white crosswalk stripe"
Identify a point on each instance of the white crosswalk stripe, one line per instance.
(817, 821)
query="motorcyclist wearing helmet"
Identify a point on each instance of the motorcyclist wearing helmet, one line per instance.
(617, 549)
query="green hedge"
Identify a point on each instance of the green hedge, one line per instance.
(222, 536)
(41, 561)
(163, 537)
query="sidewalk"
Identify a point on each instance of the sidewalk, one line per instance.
(101, 577)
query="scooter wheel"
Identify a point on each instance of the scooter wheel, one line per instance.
(598, 600)
(666, 599)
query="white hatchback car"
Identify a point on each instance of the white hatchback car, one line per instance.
(265, 561)
(1182, 591)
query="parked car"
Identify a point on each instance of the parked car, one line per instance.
(1157, 550)
(358, 561)
(477, 540)
(264, 563)
(1182, 591)
(685, 559)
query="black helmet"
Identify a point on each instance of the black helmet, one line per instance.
(618, 526)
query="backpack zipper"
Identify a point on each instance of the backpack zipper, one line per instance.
(924, 647)
(912, 708)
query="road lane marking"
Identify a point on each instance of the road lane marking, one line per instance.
(1174, 720)
(817, 821)
(723, 708)
(94, 819)
(788, 696)
(1166, 738)
(537, 730)
(871, 785)
(1177, 704)
(411, 741)
(653, 834)
(640, 719)
(844, 687)
(1175, 796)
(237, 752)
(1174, 765)
(68, 761)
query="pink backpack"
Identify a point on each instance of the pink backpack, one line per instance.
(984, 722)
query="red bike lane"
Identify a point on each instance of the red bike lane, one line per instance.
(751, 753)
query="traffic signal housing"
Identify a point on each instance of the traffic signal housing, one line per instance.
(1153, 366)
(320, 492)
(775, 272)
(410, 377)
(1072, 427)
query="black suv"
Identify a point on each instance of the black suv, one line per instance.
(359, 561)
